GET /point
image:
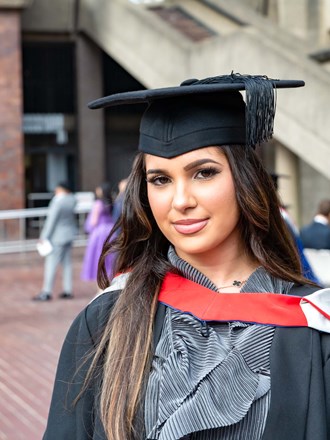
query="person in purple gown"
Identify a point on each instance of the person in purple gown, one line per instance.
(98, 225)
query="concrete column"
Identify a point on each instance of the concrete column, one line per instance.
(301, 17)
(11, 139)
(286, 163)
(293, 16)
(314, 187)
(325, 22)
(90, 123)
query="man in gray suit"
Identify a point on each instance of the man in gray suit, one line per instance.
(60, 229)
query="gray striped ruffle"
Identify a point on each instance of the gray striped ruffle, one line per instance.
(212, 385)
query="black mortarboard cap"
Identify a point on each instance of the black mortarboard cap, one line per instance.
(199, 113)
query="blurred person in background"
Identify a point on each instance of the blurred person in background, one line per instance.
(98, 225)
(60, 229)
(294, 232)
(316, 235)
(118, 203)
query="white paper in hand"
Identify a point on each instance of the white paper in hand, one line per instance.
(44, 248)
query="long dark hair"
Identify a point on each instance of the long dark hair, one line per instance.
(126, 346)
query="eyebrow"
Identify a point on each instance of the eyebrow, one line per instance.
(188, 167)
(198, 163)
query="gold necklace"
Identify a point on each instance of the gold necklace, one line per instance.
(236, 283)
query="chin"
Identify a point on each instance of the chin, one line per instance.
(193, 251)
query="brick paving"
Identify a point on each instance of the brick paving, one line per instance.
(31, 335)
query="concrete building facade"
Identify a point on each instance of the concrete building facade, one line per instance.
(74, 51)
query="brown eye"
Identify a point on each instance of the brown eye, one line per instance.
(206, 173)
(158, 180)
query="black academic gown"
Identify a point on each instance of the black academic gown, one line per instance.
(300, 380)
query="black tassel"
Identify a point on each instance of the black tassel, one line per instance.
(260, 103)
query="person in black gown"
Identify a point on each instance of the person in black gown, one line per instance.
(202, 334)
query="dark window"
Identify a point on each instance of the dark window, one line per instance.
(117, 80)
(48, 78)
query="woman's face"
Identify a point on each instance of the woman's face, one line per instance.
(98, 192)
(192, 198)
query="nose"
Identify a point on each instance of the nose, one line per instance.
(183, 198)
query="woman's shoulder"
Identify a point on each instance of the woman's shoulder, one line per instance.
(101, 303)
(91, 321)
(95, 315)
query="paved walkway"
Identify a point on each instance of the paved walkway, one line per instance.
(31, 335)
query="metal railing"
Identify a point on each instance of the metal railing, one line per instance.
(20, 228)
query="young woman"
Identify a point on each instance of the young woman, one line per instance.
(202, 334)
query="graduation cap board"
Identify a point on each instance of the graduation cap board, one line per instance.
(200, 113)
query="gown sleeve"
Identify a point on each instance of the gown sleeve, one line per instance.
(326, 372)
(67, 420)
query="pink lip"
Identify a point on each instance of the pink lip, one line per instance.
(189, 226)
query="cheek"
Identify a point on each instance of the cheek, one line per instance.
(224, 204)
(158, 204)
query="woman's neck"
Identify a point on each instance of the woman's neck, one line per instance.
(225, 268)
